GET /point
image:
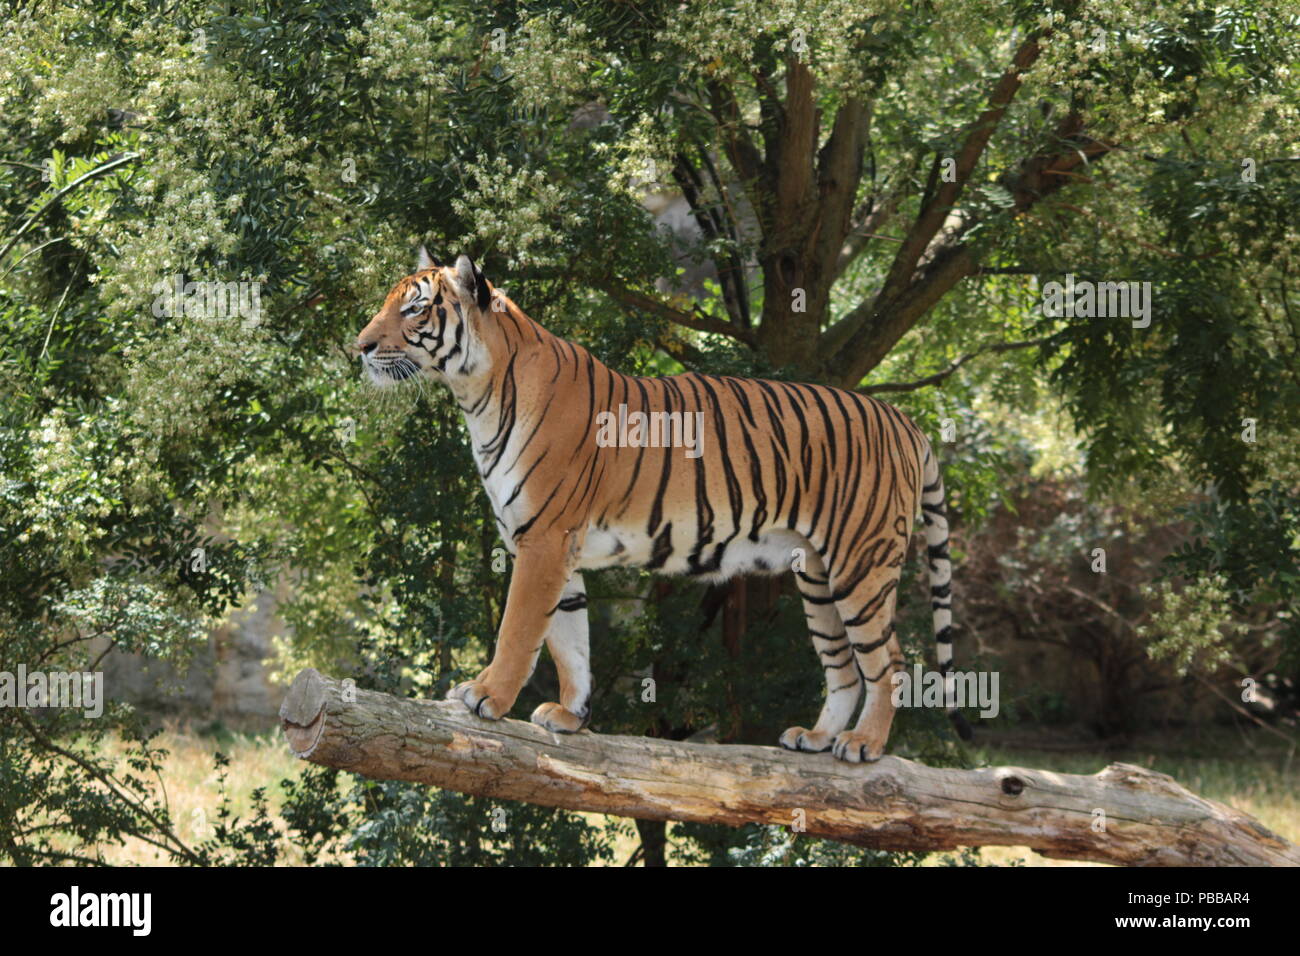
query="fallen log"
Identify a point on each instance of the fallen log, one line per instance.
(1123, 814)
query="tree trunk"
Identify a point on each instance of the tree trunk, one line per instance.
(654, 842)
(1124, 814)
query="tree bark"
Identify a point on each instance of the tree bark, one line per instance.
(1123, 814)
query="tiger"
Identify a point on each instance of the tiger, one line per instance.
(777, 476)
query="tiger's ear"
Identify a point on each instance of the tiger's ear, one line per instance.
(471, 280)
(424, 261)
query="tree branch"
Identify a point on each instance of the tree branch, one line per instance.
(796, 147)
(938, 377)
(839, 171)
(698, 320)
(872, 217)
(873, 340)
(867, 333)
(106, 167)
(716, 223)
(845, 351)
(743, 155)
(945, 197)
(1124, 814)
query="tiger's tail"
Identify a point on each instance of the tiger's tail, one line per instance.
(935, 515)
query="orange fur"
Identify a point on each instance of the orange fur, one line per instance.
(787, 477)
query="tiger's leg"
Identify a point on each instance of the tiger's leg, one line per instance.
(843, 682)
(540, 575)
(566, 639)
(868, 613)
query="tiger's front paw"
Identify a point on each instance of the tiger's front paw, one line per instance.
(479, 699)
(555, 718)
(857, 747)
(809, 741)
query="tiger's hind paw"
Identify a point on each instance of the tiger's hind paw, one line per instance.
(809, 741)
(855, 746)
(556, 719)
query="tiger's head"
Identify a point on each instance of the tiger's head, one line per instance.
(425, 325)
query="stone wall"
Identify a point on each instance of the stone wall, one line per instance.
(226, 681)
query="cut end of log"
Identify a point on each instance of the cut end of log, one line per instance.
(302, 714)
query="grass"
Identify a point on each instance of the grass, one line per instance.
(190, 783)
(1253, 772)
(1250, 773)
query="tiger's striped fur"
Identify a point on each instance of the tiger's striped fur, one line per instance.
(788, 476)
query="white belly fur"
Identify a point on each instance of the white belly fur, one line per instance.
(775, 552)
